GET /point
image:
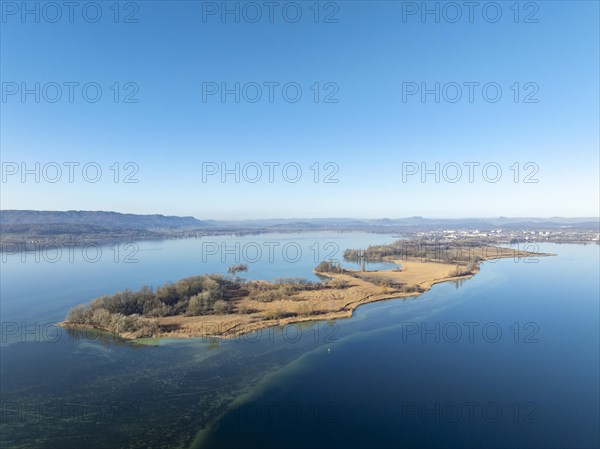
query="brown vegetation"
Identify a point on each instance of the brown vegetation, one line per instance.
(212, 305)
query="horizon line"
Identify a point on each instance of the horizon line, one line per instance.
(314, 218)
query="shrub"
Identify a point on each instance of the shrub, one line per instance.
(146, 330)
(199, 304)
(339, 283)
(221, 307)
(244, 310)
(304, 309)
(462, 270)
(77, 314)
(161, 310)
(233, 269)
(167, 294)
(274, 314)
(268, 296)
(101, 318)
(329, 267)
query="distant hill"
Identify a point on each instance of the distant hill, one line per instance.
(111, 220)
(410, 223)
(116, 220)
(26, 227)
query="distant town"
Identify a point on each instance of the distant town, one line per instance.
(25, 229)
(500, 236)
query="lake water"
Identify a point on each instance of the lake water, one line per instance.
(509, 358)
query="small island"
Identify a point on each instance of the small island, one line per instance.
(214, 305)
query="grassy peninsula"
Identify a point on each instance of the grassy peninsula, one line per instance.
(228, 306)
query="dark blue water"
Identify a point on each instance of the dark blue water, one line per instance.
(508, 358)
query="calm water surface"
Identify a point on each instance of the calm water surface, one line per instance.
(508, 358)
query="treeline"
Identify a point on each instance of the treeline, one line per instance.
(122, 312)
(285, 288)
(463, 270)
(25, 237)
(132, 311)
(426, 251)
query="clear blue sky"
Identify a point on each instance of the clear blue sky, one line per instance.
(369, 55)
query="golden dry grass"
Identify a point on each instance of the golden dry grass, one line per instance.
(311, 305)
(329, 303)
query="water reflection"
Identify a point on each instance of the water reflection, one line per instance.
(457, 282)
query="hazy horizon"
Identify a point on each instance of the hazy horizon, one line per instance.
(355, 217)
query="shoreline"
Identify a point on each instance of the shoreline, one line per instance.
(344, 293)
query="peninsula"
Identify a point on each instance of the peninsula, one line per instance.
(229, 306)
